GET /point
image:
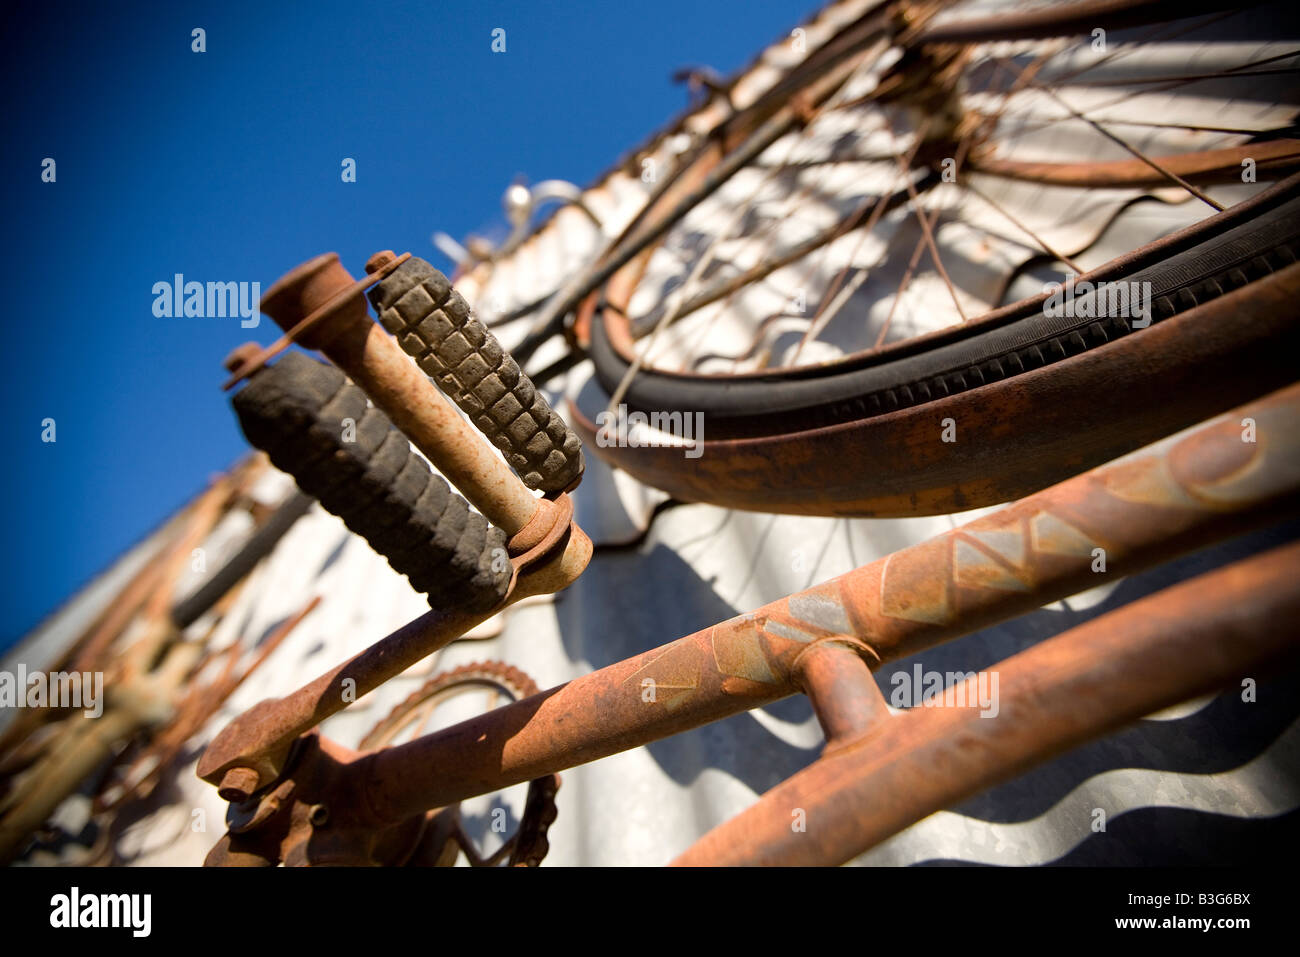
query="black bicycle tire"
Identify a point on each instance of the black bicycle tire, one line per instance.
(1026, 338)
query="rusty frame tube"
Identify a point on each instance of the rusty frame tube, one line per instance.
(1189, 639)
(836, 677)
(250, 752)
(1199, 166)
(1065, 20)
(1143, 510)
(194, 707)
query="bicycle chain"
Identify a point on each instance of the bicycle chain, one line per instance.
(540, 812)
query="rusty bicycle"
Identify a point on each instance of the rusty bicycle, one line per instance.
(909, 138)
(1048, 394)
(299, 798)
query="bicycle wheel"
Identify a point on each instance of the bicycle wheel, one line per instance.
(888, 403)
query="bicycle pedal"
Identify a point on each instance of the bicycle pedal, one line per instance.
(434, 325)
(317, 426)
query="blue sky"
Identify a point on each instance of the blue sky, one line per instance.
(224, 166)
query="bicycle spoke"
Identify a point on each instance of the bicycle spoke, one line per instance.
(674, 310)
(1171, 85)
(831, 301)
(1156, 35)
(1025, 229)
(835, 273)
(1118, 141)
(917, 252)
(1194, 77)
(934, 251)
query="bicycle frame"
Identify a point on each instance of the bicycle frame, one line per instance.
(825, 641)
